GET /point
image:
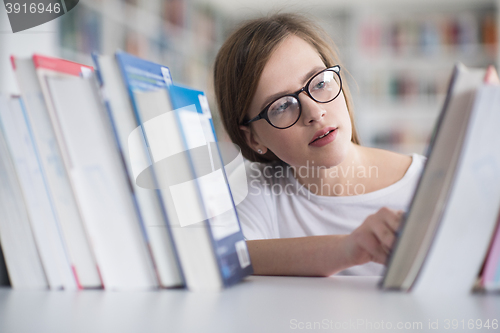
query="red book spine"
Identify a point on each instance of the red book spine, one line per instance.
(59, 65)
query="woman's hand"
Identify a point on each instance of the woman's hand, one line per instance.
(373, 240)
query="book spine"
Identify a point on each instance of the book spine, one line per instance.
(154, 215)
(491, 274)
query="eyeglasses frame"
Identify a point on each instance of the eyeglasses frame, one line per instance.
(263, 113)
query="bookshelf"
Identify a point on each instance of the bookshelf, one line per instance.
(401, 58)
(122, 24)
(258, 304)
(182, 34)
(398, 57)
(399, 53)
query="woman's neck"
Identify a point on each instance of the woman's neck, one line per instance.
(355, 175)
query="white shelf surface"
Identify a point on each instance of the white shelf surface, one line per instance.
(259, 304)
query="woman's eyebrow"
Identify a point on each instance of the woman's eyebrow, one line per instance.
(272, 98)
(285, 92)
(311, 73)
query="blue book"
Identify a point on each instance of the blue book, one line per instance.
(210, 245)
(200, 142)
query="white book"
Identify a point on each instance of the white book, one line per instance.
(469, 219)
(430, 197)
(193, 242)
(150, 207)
(59, 187)
(16, 237)
(101, 185)
(217, 208)
(46, 231)
(446, 232)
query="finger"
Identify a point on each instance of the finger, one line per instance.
(374, 249)
(391, 217)
(396, 225)
(491, 76)
(385, 235)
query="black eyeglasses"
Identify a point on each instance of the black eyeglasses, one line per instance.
(285, 111)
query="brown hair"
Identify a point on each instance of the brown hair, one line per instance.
(241, 60)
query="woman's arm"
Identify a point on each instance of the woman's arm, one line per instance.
(302, 256)
(327, 255)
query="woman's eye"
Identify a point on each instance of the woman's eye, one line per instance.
(280, 108)
(320, 85)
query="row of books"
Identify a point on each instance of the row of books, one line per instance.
(430, 36)
(113, 178)
(103, 26)
(407, 86)
(451, 233)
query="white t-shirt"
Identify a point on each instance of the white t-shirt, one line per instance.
(278, 206)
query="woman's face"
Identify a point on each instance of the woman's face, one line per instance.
(291, 65)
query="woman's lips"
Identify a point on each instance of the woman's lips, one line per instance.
(322, 132)
(325, 140)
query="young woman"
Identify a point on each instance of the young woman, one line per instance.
(317, 200)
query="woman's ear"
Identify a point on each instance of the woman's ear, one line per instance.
(252, 140)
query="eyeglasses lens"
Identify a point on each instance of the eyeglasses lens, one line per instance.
(325, 86)
(285, 111)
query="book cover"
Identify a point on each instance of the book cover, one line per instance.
(151, 209)
(169, 168)
(469, 218)
(101, 184)
(430, 237)
(200, 141)
(31, 75)
(22, 258)
(46, 229)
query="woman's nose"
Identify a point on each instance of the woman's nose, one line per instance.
(311, 110)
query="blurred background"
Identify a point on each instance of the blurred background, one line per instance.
(399, 53)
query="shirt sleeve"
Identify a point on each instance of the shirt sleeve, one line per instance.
(255, 203)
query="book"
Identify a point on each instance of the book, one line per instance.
(490, 279)
(444, 238)
(46, 231)
(208, 172)
(150, 207)
(101, 184)
(169, 168)
(30, 74)
(20, 253)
